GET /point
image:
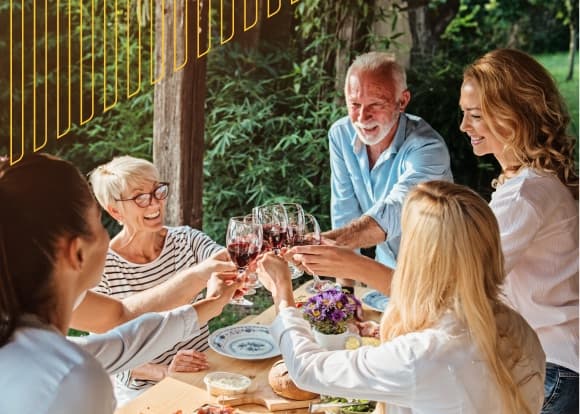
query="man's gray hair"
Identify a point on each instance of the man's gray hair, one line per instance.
(381, 63)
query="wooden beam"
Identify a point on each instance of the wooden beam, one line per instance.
(178, 124)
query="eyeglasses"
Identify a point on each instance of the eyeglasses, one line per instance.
(144, 200)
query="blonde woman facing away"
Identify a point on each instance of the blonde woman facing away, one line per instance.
(146, 253)
(513, 110)
(449, 343)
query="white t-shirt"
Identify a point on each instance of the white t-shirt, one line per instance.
(538, 221)
(435, 371)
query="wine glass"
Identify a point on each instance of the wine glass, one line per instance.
(309, 235)
(252, 281)
(274, 223)
(295, 215)
(244, 242)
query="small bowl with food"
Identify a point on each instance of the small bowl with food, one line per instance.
(226, 383)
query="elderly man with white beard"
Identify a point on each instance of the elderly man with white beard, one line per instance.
(377, 154)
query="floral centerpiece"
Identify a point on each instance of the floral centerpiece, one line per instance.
(330, 311)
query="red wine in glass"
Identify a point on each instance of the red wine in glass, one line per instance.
(244, 242)
(274, 236)
(243, 253)
(274, 223)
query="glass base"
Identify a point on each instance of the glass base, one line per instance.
(320, 285)
(253, 283)
(295, 272)
(241, 302)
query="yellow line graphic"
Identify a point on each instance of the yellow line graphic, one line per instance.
(25, 102)
(256, 13)
(222, 40)
(200, 29)
(177, 68)
(138, 18)
(270, 14)
(69, 117)
(152, 42)
(116, 26)
(81, 64)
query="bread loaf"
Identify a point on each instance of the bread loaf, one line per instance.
(282, 384)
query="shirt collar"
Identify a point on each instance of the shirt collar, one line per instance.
(398, 140)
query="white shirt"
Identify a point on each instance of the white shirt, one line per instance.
(538, 221)
(438, 370)
(43, 372)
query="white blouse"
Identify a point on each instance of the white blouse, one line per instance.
(538, 221)
(44, 372)
(438, 370)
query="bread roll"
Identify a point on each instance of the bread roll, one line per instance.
(282, 384)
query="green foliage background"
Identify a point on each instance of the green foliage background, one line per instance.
(268, 109)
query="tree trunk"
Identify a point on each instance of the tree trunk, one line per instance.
(352, 30)
(572, 18)
(572, 52)
(178, 124)
(427, 23)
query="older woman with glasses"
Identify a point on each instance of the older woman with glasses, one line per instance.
(146, 253)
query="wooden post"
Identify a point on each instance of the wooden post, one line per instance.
(178, 123)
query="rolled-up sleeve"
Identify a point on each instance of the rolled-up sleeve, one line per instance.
(425, 162)
(344, 206)
(140, 340)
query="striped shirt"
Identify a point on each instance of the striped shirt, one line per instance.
(183, 248)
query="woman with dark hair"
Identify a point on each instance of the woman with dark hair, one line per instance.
(52, 250)
(513, 110)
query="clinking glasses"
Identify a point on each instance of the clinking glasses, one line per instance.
(144, 199)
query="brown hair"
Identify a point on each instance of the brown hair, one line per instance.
(42, 198)
(521, 104)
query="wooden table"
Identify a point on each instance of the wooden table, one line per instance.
(169, 395)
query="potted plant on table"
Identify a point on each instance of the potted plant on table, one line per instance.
(329, 313)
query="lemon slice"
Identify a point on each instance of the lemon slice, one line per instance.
(352, 343)
(367, 340)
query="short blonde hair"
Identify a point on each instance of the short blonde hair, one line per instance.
(109, 181)
(382, 64)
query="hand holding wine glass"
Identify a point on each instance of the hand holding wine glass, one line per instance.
(309, 235)
(295, 215)
(244, 243)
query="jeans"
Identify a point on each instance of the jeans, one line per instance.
(560, 390)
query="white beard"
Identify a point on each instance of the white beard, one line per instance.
(375, 138)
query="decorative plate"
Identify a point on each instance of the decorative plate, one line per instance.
(375, 300)
(244, 342)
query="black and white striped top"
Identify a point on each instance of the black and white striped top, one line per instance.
(183, 248)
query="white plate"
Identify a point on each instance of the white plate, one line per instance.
(375, 300)
(244, 342)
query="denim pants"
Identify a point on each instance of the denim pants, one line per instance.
(560, 390)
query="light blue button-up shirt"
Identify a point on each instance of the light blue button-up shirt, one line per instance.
(418, 153)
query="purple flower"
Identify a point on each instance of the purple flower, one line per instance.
(330, 311)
